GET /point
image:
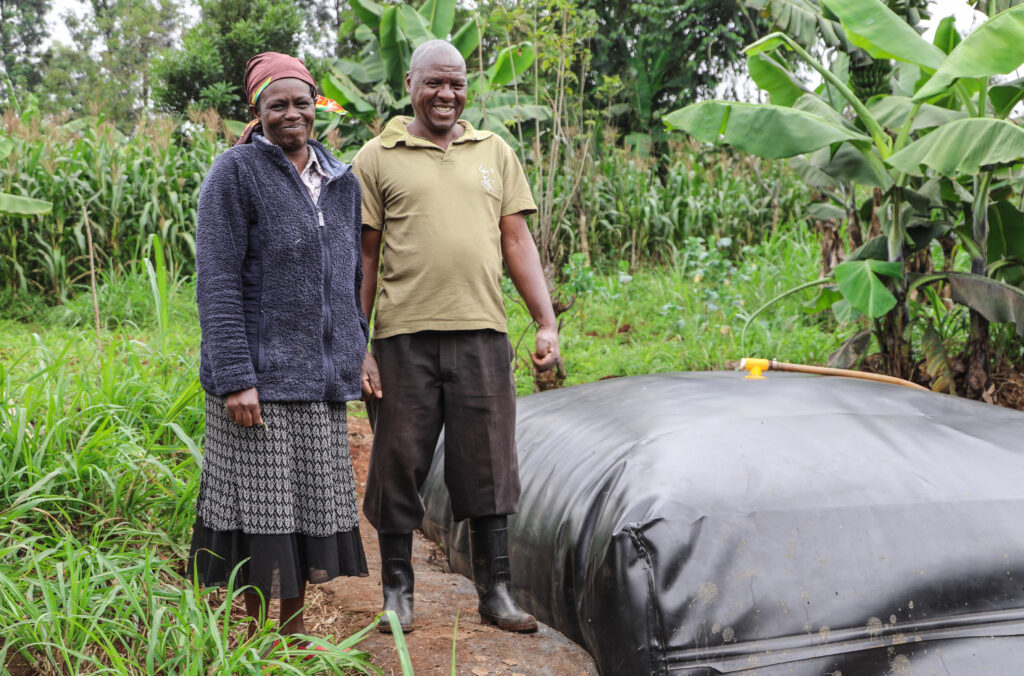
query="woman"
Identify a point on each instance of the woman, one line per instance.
(283, 336)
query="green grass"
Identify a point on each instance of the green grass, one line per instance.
(99, 459)
(100, 449)
(690, 316)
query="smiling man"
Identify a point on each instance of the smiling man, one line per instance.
(444, 206)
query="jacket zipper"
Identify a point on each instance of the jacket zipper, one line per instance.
(328, 337)
(328, 321)
(261, 340)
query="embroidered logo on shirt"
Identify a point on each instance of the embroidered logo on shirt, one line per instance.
(485, 179)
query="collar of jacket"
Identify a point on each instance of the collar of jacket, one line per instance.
(332, 166)
(396, 132)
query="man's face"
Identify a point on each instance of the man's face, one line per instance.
(437, 90)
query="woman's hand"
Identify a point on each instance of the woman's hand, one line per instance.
(244, 407)
(370, 378)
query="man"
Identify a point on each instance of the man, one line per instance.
(449, 203)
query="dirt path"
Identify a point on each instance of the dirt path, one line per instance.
(345, 605)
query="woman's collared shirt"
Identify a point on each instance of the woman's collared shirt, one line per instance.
(312, 176)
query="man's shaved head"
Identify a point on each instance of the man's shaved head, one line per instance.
(442, 49)
(436, 83)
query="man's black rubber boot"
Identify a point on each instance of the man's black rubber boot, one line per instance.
(488, 540)
(396, 579)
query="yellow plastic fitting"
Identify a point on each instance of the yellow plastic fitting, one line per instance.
(754, 366)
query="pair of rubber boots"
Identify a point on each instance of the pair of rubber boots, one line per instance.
(488, 540)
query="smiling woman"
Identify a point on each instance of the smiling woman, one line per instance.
(277, 278)
(286, 114)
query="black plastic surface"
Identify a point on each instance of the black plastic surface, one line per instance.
(702, 523)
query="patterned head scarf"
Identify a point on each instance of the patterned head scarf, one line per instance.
(263, 69)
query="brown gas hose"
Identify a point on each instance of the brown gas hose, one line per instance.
(756, 366)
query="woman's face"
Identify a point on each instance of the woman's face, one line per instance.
(286, 110)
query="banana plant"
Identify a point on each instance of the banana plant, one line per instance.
(939, 156)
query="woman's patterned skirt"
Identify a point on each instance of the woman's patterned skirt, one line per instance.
(277, 502)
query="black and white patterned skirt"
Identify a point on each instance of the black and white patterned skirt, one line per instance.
(279, 499)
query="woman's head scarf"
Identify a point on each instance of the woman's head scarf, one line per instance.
(263, 69)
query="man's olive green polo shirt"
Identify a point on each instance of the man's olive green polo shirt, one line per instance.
(439, 211)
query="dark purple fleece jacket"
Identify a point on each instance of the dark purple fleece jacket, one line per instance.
(277, 278)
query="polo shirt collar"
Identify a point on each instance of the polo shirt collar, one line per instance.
(396, 132)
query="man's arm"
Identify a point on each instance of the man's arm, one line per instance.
(523, 263)
(369, 374)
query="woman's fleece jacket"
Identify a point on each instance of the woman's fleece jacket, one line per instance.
(277, 278)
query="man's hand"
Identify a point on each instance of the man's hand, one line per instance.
(523, 263)
(370, 377)
(244, 407)
(547, 354)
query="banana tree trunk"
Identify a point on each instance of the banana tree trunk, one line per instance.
(892, 334)
(979, 379)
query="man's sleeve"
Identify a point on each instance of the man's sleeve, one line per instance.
(365, 164)
(515, 189)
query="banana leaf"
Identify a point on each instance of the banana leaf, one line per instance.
(440, 16)
(341, 89)
(351, 69)
(522, 112)
(511, 63)
(814, 104)
(876, 29)
(782, 86)
(962, 148)
(23, 206)
(393, 48)
(891, 112)
(826, 211)
(368, 12)
(852, 164)
(993, 7)
(803, 20)
(1006, 241)
(994, 48)
(994, 300)
(1005, 95)
(373, 66)
(946, 37)
(919, 236)
(491, 122)
(467, 38)
(414, 26)
(759, 129)
(851, 351)
(811, 174)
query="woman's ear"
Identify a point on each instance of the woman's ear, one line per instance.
(254, 111)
